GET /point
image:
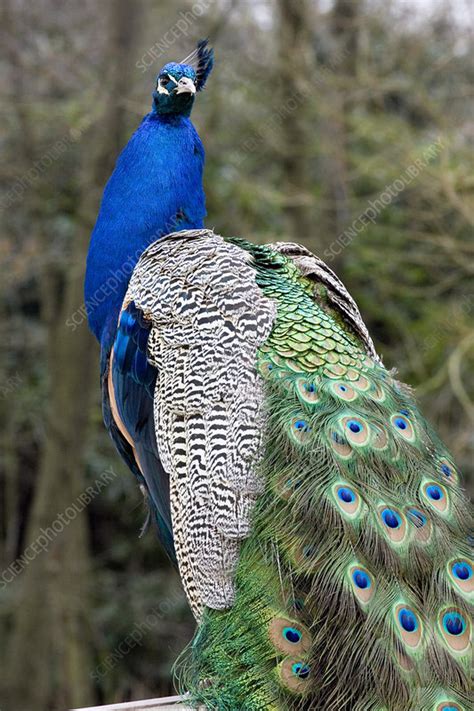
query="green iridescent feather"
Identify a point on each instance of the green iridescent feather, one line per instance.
(354, 590)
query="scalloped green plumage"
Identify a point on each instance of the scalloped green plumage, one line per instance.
(349, 462)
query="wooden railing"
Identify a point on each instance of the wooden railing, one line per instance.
(171, 703)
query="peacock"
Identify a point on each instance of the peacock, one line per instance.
(317, 521)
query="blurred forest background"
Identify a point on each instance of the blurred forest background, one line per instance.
(316, 111)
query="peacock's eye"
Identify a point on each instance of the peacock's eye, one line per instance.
(164, 81)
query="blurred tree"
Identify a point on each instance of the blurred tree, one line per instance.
(345, 24)
(51, 644)
(293, 79)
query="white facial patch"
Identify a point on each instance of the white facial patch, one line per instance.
(183, 86)
(186, 86)
(162, 89)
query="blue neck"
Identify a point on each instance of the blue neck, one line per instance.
(156, 188)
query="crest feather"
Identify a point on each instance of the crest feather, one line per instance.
(202, 60)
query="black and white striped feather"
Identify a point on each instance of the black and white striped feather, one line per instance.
(208, 319)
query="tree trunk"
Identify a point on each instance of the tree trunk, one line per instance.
(345, 30)
(294, 78)
(345, 27)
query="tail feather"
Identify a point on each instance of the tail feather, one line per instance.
(355, 588)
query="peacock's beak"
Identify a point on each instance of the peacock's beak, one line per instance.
(185, 86)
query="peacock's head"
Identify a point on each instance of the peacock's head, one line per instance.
(177, 84)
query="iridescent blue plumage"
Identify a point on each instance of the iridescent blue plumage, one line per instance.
(155, 188)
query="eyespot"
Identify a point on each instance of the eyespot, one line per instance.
(455, 629)
(292, 635)
(393, 523)
(307, 391)
(300, 429)
(266, 367)
(362, 583)
(403, 426)
(289, 637)
(377, 393)
(347, 495)
(405, 662)
(448, 706)
(461, 573)
(295, 674)
(454, 623)
(408, 620)
(305, 557)
(347, 500)
(301, 425)
(344, 391)
(448, 471)
(436, 495)
(300, 670)
(434, 492)
(391, 518)
(354, 426)
(361, 579)
(409, 625)
(288, 483)
(355, 430)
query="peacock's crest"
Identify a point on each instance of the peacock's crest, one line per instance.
(202, 61)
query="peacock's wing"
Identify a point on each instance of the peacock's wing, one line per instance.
(207, 319)
(128, 384)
